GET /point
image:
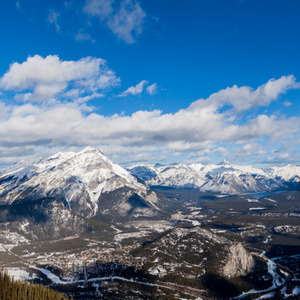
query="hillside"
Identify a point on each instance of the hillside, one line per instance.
(21, 290)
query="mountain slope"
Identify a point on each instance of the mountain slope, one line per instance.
(54, 196)
(197, 254)
(223, 178)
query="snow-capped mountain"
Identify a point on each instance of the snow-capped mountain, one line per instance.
(87, 183)
(177, 175)
(224, 177)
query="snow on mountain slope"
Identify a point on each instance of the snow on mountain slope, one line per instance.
(177, 175)
(21, 165)
(286, 172)
(224, 177)
(144, 172)
(78, 179)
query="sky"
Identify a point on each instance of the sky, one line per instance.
(151, 81)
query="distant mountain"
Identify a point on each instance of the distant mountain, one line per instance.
(59, 191)
(224, 178)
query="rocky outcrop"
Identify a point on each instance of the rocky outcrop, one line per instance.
(240, 262)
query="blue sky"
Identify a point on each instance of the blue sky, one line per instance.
(151, 81)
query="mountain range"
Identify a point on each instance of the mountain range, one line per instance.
(55, 196)
(222, 178)
(80, 205)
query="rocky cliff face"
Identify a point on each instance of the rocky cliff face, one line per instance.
(239, 262)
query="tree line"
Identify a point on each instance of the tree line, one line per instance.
(11, 289)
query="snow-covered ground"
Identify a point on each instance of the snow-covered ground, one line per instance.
(121, 236)
(19, 274)
(271, 200)
(257, 208)
(252, 200)
(54, 278)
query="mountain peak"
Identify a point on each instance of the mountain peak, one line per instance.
(157, 165)
(79, 180)
(224, 162)
(89, 149)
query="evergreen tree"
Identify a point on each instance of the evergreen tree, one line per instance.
(11, 289)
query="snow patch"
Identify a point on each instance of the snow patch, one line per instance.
(257, 208)
(252, 200)
(19, 274)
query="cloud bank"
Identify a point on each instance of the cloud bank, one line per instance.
(211, 126)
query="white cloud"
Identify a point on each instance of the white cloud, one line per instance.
(180, 131)
(126, 21)
(83, 36)
(3, 111)
(53, 19)
(42, 78)
(246, 154)
(192, 146)
(244, 98)
(282, 158)
(151, 89)
(207, 125)
(135, 90)
(99, 8)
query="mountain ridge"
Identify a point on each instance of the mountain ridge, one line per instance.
(224, 178)
(68, 186)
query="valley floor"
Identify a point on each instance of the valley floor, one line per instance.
(131, 259)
